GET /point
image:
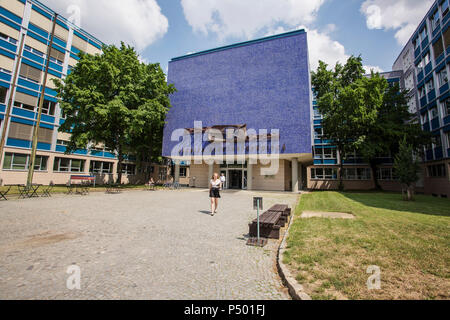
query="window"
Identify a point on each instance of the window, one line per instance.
(434, 112)
(3, 93)
(446, 36)
(68, 165)
(357, 174)
(416, 43)
(30, 73)
(422, 92)
(438, 49)
(420, 66)
(444, 7)
(446, 105)
(101, 167)
(183, 172)
(385, 174)
(317, 114)
(318, 133)
(129, 169)
(17, 161)
(325, 153)
(62, 142)
(436, 171)
(443, 78)
(33, 50)
(426, 59)
(7, 38)
(437, 141)
(435, 20)
(423, 34)
(25, 101)
(430, 85)
(49, 107)
(424, 118)
(324, 174)
(329, 153)
(57, 56)
(447, 135)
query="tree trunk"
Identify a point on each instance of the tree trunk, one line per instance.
(341, 172)
(119, 168)
(410, 193)
(373, 168)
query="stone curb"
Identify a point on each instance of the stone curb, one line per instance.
(296, 290)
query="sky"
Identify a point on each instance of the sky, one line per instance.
(163, 29)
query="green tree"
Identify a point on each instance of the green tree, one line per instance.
(348, 102)
(392, 123)
(406, 169)
(114, 99)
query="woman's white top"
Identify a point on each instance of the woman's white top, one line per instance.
(215, 183)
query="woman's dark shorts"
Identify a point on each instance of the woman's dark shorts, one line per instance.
(214, 193)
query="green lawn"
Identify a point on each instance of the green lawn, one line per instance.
(409, 241)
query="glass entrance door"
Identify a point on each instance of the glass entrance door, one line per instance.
(235, 179)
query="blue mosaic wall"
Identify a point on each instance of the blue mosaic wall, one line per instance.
(263, 84)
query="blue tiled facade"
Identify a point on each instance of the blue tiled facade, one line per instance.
(263, 84)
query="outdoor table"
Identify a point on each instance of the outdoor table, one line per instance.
(34, 188)
(28, 192)
(3, 193)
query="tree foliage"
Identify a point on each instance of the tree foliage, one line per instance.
(115, 100)
(363, 113)
(406, 168)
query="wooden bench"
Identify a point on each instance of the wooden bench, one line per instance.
(285, 212)
(82, 186)
(269, 225)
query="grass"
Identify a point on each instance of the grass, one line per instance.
(409, 241)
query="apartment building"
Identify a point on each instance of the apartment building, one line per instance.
(425, 64)
(25, 34)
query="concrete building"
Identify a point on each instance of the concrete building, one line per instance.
(262, 84)
(25, 32)
(425, 64)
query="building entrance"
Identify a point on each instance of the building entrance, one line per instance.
(235, 179)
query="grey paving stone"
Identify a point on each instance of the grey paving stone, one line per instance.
(136, 245)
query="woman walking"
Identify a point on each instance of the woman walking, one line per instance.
(214, 194)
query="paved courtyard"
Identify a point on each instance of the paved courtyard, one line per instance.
(136, 245)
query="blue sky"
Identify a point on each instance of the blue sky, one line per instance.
(163, 29)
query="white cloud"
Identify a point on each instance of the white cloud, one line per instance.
(136, 22)
(403, 16)
(369, 69)
(322, 47)
(245, 19)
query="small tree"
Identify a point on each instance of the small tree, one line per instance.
(115, 100)
(406, 169)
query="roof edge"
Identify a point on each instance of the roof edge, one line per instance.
(241, 44)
